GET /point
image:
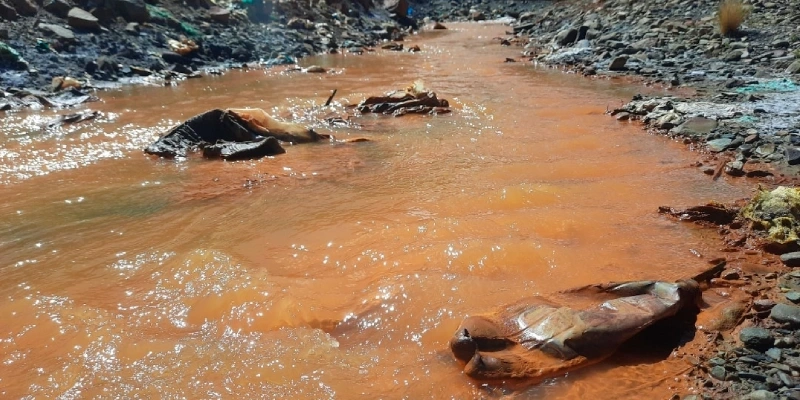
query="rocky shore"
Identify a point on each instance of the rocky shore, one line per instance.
(50, 45)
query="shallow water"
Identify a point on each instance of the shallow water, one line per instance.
(127, 276)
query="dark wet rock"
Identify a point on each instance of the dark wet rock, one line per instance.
(751, 376)
(719, 145)
(231, 134)
(618, 64)
(132, 10)
(717, 214)
(221, 15)
(792, 155)
(24, 7)
(791, 259)
(412, 100)
(59, 8)
(566, 36)
(73, 118)
(756, 338)
(794, 68)
(261, 147)
(81, 19)
(786, 314)
(175, 58)
(7, 13)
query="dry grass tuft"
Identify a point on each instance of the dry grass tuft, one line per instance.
(731, 15)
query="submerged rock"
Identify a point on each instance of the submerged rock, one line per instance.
(231, 134)
(414, 99)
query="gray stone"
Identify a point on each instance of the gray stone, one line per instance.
(756, 338)
(780, 44)
(132, 28)
(81, 19)
(719, 373)
(794, 297)
(792, 155)
(60, 31)
(719, 145)
(761, 395)
(794, 68)
(697, 126)
(786, 313)
(566, 36)
(734, 55)
(618, 63)
(222, 15)
(774, 354)
(791, 259)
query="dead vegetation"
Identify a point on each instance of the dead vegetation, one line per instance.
(732, 14)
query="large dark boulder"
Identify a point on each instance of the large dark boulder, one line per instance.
(231, 135)
(7, 13)
(132, 10)
(24, 7)
(59, 8)
(219, 134)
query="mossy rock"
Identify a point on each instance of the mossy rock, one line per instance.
(777, 213)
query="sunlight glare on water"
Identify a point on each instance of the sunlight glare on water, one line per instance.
(331, 271)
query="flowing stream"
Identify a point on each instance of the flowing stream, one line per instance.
(332, 271)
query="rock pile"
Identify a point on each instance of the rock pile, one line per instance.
(125, 40)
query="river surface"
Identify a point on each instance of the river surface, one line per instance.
(127, 276)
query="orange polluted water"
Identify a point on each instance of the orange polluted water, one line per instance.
(129, 276)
